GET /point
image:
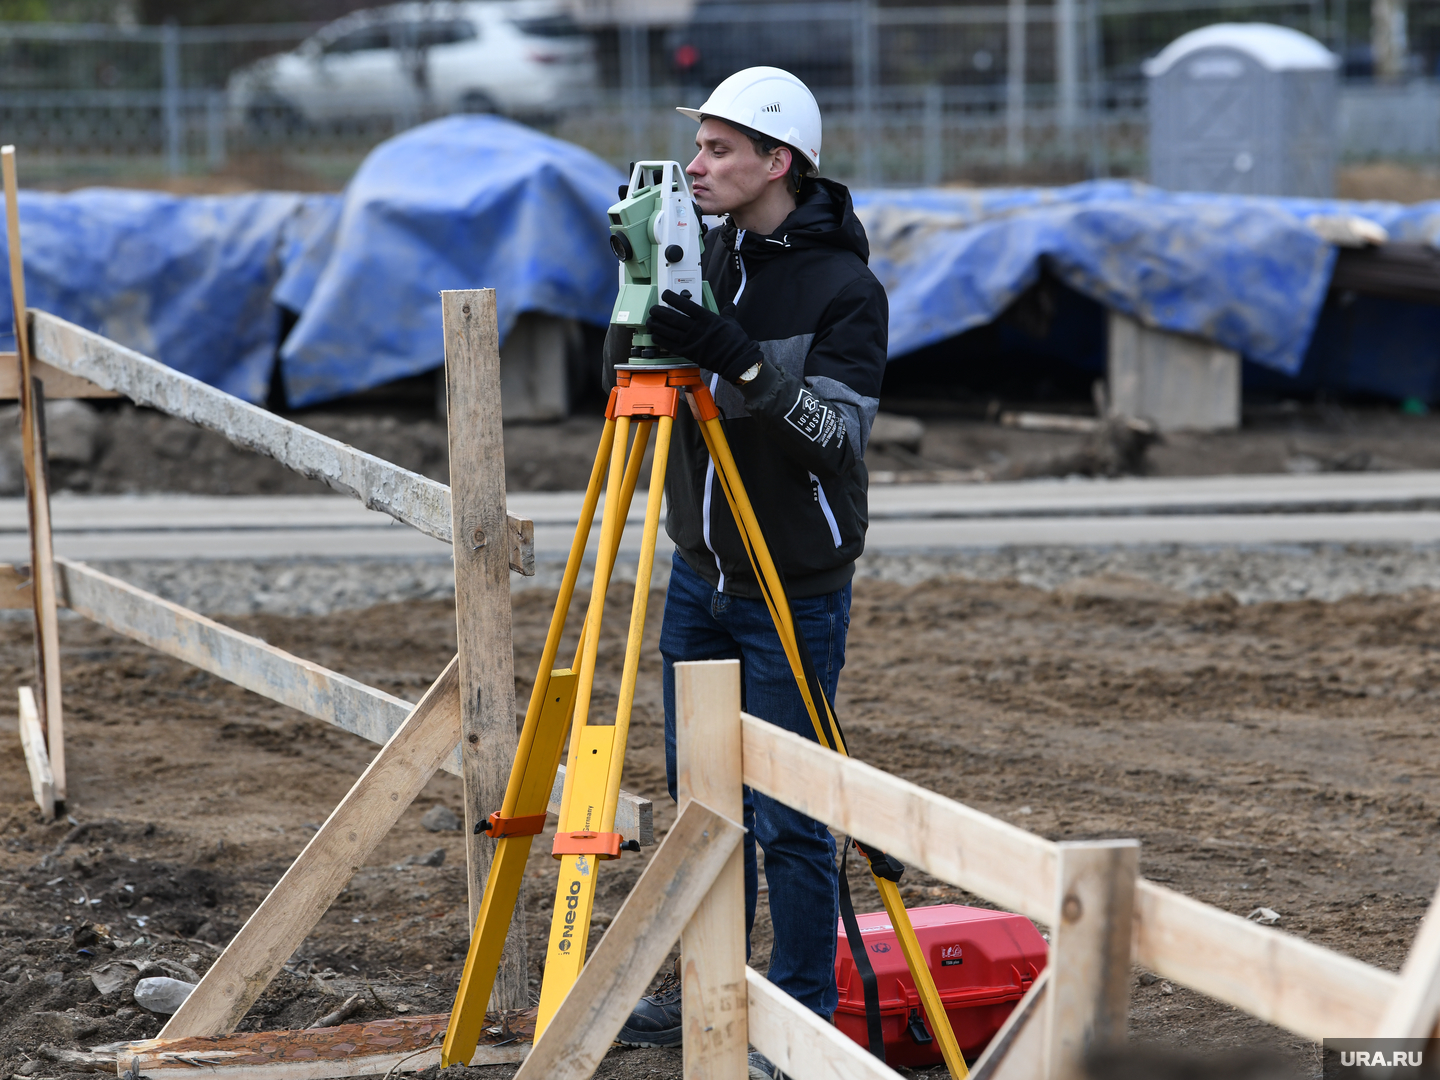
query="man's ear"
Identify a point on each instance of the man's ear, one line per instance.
(780, 162)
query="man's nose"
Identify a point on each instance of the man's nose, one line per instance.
(695, 168)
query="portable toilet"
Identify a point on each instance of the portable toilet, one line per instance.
(1244, 108)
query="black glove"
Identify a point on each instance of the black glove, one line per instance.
(714, 342)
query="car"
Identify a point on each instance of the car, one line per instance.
(523, 58)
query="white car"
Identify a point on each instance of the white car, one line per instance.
(519, 57)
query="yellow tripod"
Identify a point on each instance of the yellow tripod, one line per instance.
(649, 396)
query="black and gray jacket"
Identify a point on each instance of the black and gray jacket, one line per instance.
(798, 430)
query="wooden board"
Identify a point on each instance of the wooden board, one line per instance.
(317, 876)
(712, 946)
(482, 603)
(58, 384)
(1007, 865)
(347, 1050)
(802, 1045)
(37, 761)
(240, 658)
(674, 882)
(273, 673)
(1282, 979)
(1413, 1007)
(406, 496)
(1089, 962)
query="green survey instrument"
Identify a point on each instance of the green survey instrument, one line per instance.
(655, 233)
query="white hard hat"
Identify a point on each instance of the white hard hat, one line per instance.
(772, 102)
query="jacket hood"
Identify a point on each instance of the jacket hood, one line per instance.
(823, 217)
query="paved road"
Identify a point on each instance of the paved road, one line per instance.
(1343, 508)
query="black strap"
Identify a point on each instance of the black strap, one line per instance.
(862, 961)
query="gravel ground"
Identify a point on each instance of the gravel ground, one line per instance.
(1250, 575)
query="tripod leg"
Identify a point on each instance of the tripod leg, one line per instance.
(527, 794)
(627, 493)
(769, 578)
(614, 528)
(584, 783)
(637, 621)
(924, 985)
(538, 693)
(502, 886)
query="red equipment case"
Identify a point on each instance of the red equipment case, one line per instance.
(982, 961)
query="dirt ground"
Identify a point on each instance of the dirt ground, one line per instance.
(1275, 755)
(117, 449)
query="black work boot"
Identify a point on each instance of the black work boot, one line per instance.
(762, 1068)
(656, 1021)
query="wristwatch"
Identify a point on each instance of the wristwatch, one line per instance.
(748, 374)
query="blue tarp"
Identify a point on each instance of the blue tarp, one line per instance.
(186, 280)
(466, 202)
(1245, 272)
(455, 204)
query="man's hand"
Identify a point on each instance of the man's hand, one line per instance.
(714, 342)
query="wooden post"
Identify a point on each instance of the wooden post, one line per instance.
(1413, 1008)
(712, 947)
(482, 600)
(37, 496)
(1089, 961)
(680, 874)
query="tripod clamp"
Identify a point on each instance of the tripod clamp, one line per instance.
(497, 826)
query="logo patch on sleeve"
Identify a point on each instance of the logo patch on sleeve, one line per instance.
(812, 418)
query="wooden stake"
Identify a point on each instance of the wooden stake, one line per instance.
(712, 946)
(32, 739)
(681, 872)
(482, 601)
(1413, 1007)
(348, 837)
(37, 494)
(1089, 961)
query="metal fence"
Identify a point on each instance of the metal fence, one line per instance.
(910, 94)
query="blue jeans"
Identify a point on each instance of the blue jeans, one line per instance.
(703, 624)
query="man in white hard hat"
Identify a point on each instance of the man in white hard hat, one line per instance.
(794, 360)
